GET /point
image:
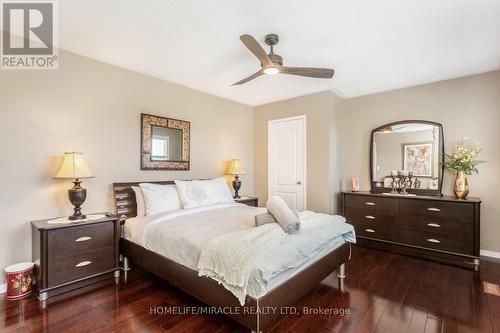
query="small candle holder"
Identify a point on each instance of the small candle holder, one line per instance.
(393, 185)
(404, 185)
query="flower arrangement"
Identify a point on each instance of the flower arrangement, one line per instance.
(464, 157)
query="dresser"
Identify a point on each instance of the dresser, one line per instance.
(72, 255)
(438, 228)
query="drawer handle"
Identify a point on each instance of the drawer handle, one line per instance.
(370, 203)
(434, 225)
(432, 240)
(83, 239)
(83, 263)
(369, 217)
(432, 209)
(369, 230)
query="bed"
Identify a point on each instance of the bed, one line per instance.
(156, 253)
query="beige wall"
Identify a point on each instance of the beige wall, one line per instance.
(466, 107)
(95, 108)
(319, 111)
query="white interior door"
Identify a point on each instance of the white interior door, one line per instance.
(287, 160)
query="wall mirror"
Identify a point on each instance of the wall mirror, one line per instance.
(164, 143)
(412, 150)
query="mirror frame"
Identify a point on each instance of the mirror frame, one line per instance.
(147, 123)
(375, 189)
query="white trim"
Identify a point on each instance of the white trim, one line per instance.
(3, 288)
(304, 124)
(274, 121)
(490, 254)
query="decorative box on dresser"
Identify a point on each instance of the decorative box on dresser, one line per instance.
(439, 228)
(72, 255)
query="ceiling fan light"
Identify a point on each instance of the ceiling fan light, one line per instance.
(271, 71)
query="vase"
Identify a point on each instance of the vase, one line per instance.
(461, 187)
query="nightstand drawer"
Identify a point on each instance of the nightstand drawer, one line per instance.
(72, 267)
(78, 239)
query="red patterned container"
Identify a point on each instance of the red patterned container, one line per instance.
(19, 279)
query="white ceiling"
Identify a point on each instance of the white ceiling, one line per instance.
(372, 45)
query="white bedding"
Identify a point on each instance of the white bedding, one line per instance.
(182, 234)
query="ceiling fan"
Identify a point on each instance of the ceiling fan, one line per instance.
(272, 63)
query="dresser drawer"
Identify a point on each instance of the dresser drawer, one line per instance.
(438, 209)
(374, 230)
(437, 240)
(72, 267)
(77, 239)
(380, 217)
(440, 225)
(370, 204)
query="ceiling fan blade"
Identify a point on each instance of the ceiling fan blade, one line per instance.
(251, 77)
(322, 73)
(256, 49)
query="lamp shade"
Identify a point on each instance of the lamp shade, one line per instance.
(236, 167)
(73, 166)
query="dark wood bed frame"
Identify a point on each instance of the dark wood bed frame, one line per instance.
(253, 314)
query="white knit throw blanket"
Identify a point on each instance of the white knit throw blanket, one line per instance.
(230, 259)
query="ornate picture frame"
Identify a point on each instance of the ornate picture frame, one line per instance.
(147, 162)
(418, 157)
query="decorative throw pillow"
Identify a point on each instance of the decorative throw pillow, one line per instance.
(283, 214)
(196, 193)
(160, 198)
(139, 199)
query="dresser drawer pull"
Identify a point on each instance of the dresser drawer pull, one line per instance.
(369, 217)
(83, 263)
(432, 209)
(369, 230)
(83, 239)
(370, 203)
(432, 240)
(434, 225)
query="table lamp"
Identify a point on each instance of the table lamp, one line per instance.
(236, 168)
(74, 167)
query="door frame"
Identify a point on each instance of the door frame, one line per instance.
(304, 180)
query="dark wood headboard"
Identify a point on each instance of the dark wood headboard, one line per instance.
(125, 203)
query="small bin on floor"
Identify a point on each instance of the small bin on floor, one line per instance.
(19, 279)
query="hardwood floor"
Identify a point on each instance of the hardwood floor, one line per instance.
(384, 293)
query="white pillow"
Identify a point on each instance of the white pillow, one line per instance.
(195, 193)
(139, 199)
(160, 198)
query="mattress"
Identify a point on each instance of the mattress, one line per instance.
(180, 236)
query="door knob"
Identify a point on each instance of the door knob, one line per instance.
(299, 182)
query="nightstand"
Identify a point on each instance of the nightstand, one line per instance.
(250, 201)
(72, 255)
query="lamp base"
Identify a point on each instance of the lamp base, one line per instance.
(77, 196)
(75, 217)
(236, 186)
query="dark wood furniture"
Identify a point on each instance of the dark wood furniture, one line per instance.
(250, 201)
(438, 228)
(73, 255)
(252, 315)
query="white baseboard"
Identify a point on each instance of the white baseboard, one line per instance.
(3, 288)
(490, 254)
